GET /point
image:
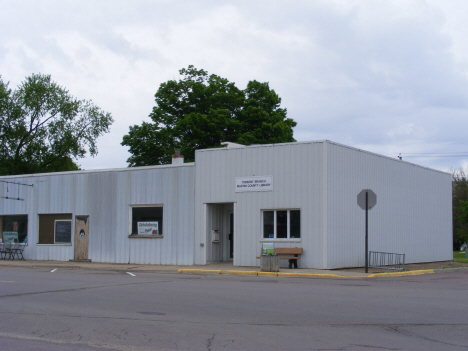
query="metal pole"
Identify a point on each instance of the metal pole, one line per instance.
(367, 209)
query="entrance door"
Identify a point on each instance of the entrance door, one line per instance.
(220, 229)
(81, 237)
(231, 235)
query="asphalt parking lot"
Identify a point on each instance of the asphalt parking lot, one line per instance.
(89, 309)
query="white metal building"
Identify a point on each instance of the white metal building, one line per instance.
(229, 202)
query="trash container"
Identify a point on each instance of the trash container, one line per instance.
(269, 263)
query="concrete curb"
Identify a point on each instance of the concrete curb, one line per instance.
(271, 274)
(199, 271)
(315, 275)
(240, 272)
(301, 275)
(398, 274)
(257, 273)
(187, 270)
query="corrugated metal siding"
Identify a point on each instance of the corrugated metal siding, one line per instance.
(323, 179)
(412, 215)
(297, 183)
(106, 197)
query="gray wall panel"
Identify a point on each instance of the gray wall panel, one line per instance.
(322, 179)
(412, 215)
(106, 197)
(295, 182)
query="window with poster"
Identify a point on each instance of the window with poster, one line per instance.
(55, 228)
(146, 221)
(14, 229)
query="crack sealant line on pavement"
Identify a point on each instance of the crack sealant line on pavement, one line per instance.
(305, 275)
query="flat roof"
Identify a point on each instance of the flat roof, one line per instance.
(318, 142)
(87, 171)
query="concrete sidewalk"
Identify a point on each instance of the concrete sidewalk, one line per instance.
(211, 268)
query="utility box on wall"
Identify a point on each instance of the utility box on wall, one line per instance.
(215, 235)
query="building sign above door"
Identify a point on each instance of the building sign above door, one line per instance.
(254, 183)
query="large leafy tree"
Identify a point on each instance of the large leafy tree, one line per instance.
(459, 207)
(200, 111)
(43, 128)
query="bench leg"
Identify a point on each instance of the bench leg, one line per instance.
(291, 263)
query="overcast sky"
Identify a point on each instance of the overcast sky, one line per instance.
(386, 76)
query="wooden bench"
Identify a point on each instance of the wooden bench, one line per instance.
(293, 253)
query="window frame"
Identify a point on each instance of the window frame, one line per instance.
(275, 226)
(130, 222)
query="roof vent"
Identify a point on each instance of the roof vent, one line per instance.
(177, 158)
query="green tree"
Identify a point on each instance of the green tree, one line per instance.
(459, 207)
(43, 128)
(200, 111)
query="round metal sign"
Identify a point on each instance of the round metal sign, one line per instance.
(371, 199)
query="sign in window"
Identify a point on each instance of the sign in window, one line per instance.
(63, 231)
(14, 229)
(55, 228)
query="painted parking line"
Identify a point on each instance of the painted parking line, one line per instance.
(53, 270)
(133, 275)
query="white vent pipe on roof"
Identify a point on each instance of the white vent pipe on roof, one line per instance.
(177, 158)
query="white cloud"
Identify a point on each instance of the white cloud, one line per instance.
(387, 76)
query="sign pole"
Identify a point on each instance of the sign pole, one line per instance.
(366, 200)
(367, 238)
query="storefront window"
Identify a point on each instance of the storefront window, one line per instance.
(147, 220)
(14, 229)
(282, 224)
(55, 228)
